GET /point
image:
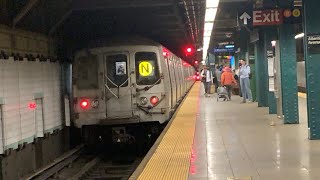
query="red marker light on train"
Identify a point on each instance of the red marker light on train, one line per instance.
(189, 51)
(154, 100)
(84, 103)
(165, 52)
(32, 105)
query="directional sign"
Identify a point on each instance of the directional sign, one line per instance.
(267, 17)
(245, 16)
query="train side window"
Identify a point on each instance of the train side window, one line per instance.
(87, 72)
(147, 68)
(116, 66)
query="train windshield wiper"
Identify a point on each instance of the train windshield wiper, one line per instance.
(149, 87)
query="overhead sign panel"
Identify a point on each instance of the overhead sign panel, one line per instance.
(267, 17)
(313, 41)
(245, 16)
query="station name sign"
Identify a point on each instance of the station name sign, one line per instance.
(313, 44)
(267, 17)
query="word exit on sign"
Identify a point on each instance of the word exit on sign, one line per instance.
(267, 17)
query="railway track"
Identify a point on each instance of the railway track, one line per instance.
(79, 164)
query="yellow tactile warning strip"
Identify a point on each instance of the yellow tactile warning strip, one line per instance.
(303, 95)
(171, 160)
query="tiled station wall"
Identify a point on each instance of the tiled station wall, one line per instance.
(30, 88)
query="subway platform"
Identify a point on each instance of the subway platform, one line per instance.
(232, 141)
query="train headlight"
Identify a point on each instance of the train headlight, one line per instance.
(154, 100)
(84, 103)
(143, 101)
(95, 103)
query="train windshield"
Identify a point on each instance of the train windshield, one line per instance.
(147, 68)
(87, 72)
(117, 75)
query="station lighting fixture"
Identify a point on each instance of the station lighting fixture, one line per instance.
(210, 15)
(273, 43)
(298, 36)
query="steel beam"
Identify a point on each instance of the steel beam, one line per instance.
(100, 5)
(64, 17)
(24, 11)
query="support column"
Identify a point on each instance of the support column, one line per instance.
(288, 65)
(269, 35)
(261, 71)
(312, 62)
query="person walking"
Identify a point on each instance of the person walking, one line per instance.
(206, 79)
(228, 80)
(244, 74)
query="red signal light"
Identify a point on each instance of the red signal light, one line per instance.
(196, 62)
(32, 105)
(154, 100)
(84, 103)
(189, 51)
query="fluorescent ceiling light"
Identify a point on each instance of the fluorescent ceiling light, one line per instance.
(206, 40)
(208, 26)
(210, 14)
(212, 3)
(301, 35)
(207, 33)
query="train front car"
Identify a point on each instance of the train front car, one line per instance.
(120, 92)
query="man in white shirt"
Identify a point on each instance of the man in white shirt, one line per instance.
(206, 78)
(244, 74)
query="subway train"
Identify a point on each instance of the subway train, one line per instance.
(127, 87)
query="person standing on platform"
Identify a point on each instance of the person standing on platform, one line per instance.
(228, 80)
(244, 74)
(237, 78)
(206, 78)
(217, 74)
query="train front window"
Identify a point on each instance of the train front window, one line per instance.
(147, 68)
(87, 72)
(117, 74)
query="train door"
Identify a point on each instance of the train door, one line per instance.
(117, 85)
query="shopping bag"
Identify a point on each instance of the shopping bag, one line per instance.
(212, 89)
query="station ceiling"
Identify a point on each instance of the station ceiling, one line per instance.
(173, 23)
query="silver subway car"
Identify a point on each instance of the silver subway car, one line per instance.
(128, 82)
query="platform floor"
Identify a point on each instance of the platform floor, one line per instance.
(227, 140)
(236, 141)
